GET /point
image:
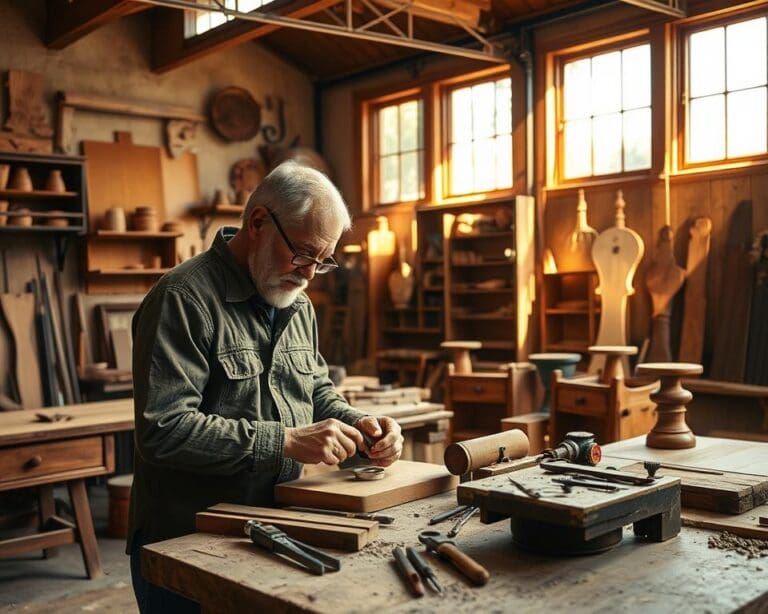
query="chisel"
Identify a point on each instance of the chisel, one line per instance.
(380, 518)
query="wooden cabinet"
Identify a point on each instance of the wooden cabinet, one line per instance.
(60, 213)
(480, 400)
(570, 312)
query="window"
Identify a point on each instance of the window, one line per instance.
(605, 113)
(480, 141)
(726, 92)
(198, 22)
(399, 151)
(442, 139)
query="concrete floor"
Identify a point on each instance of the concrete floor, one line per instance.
(30, 583)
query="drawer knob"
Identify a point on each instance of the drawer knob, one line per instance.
(625, 412)
(35, 461)
(477, 389)
(580, 401)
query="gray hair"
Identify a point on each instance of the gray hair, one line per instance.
(292, 190)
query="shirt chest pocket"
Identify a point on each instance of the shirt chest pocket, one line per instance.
(242, 369)
(301, 370)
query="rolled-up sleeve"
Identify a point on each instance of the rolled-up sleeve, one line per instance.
(172, 347)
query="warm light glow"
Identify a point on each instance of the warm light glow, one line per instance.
(352, 248)
(381, 240)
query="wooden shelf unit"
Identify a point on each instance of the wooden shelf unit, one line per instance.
(499, 317)
(71, 204)
(570, 311)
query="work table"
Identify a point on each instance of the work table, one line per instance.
(228, 574)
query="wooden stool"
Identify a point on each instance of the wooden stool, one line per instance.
(461, 359)
(534, 425)
(671, 431)
(613, 364)
(119, 488)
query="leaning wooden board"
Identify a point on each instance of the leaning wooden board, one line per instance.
(404, 481)
(19, 312)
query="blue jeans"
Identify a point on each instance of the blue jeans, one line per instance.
(150, 598)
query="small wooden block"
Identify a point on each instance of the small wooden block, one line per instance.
(321, 535)
(404, 481)
(763, 520)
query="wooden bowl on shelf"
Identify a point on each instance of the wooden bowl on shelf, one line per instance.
(25, 219)
(55, 222)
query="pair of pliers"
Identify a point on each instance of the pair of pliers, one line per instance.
(273, 539)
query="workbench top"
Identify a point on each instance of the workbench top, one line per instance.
(229, 574)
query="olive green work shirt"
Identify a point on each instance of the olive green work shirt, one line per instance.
(203, 435)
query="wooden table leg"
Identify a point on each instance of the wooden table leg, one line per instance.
(86, 535)
(46, 510)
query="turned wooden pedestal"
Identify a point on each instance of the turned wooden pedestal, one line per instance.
(671, 431)
(460, 351)
(613, 367)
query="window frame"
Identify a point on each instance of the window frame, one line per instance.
(435, 119)
(682, 97)
(371, 151)
(445, 88)
(589, 50)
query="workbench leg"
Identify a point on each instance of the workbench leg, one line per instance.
(86, 535)
(46, 509)
(661, 527)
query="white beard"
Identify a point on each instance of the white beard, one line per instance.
(269, 284)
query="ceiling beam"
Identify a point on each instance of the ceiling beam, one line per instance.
(170, 49)
(667, 7)
(491, 51)
(67, 21)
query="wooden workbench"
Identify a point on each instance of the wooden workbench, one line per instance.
(41, 454)
(229, 574)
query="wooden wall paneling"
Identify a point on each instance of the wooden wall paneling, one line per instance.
(732, 323)
(67, 22)
(759, 189)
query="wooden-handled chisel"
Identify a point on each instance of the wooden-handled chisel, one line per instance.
(380, 518)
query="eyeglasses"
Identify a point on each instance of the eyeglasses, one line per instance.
(303, 260)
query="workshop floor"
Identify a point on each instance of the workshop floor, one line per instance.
(32, 584)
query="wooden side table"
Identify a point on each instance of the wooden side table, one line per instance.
(35, 453)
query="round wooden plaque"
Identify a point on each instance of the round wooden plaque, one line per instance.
(245, 175)
(235, 115)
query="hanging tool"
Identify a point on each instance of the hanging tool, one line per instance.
(446, 515)
(273, 539)
(446, 548)
(462, 520)
(407, 570)
(380, 518)
(578, 447)
(425, 571)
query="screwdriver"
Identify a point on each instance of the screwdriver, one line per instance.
(426, 572)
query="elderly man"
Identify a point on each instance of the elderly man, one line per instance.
(231, 393)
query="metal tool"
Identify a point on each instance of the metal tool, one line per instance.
(571, 481)
(425, 571)
(273, 539)
(371, 472)
(446, 548)
(408, 571)
(649, 467)
(578, 447)
(446, 515)
(531, 492)
(380, 518)
(462, 520)
(620, 477)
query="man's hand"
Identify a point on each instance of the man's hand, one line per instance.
(330, 442)
(390, 442)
